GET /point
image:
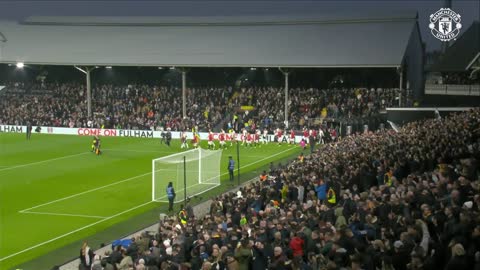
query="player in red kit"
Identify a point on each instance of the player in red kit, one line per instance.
(305, 134)
(256, 140)
(221, 139)
(279, 136)
(249, 139)
(292, 137)
(211, 144)
(195, 140)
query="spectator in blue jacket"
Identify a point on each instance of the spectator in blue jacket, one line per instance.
(321, 190)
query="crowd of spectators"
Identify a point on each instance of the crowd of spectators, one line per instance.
(306, 104)
(384, 200)
(458, 78)
(127, 107)
(153, 107)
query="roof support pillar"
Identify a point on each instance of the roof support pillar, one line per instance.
(86, 71)
(400, 95)
(89, 93)
(184, 93)
(285, 73)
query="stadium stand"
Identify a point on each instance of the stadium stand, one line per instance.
(383, 200)
(150, 107)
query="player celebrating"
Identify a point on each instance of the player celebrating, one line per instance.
(211, 144)
(320, 136)
(221, 139)
(195, 140)
(279, 136)
(305, 134)
(265, 136)
(183, 138)
(292, 137)
(244, 136)
(232, 136)
(249, 139)
(257, 137)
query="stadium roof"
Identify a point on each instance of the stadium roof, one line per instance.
(248, 41)
(462, 54)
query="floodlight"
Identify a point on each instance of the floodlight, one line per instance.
(20, 65)
(108, 67)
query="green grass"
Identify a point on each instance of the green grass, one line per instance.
(54, 192)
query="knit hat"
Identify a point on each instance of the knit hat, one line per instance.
(166, 243)
(468, 205)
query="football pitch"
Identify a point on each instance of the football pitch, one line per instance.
(54, 191)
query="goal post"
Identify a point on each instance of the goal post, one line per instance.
(199, 167)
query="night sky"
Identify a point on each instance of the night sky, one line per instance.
(18, 9)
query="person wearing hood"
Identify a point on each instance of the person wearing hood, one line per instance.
(340, 219)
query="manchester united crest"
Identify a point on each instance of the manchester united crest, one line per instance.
(445, 24)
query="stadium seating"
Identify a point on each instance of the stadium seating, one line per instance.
(406, 200)
(146, 107)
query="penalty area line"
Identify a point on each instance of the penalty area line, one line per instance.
(116, 215)
(61, 214)
(72, 232)
(85, 192)
(138, 151)
(40, 162)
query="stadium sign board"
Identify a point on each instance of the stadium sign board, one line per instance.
(123, 133)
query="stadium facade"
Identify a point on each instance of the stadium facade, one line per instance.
(363, 41)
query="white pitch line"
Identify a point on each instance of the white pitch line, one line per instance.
(260, 160)
(136, 151)
(134, 177)
(72, 232)
(116, 215)
(60, 214)
(43, 161)
(88, 191)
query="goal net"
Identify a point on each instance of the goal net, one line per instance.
(200, 169)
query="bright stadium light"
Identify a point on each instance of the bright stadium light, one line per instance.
(253, 68)
(20, 65)
(108, 67)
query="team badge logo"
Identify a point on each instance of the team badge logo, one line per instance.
(445, 24)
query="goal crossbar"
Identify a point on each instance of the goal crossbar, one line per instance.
(193, 172)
